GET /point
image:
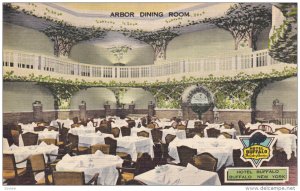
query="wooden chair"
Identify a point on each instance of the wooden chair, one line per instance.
(48, 141)
(72, 178)
(143, 164)
(242, 127)
(74, 139)
(131, 123)
(185, 154)
(63, 136)
(75, 120)
(103, 128)
(205, 161)
(125, 131)
(226, 135)
(143, 134)
(212, 132)
(199, 129)
(11, 173)
(164, 147)
(15, 136)
(228, 126)
(238, 162)
(102, 147)
(181, 127)
(38, 165)
(156, 136)
(135, 182)
(39, 128)
(151, 126)
(113, 148)
(115, 131)
(265, 128)
(283, 130)
(75, 125)
(30, 138)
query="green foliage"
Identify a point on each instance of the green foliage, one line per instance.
(119, 51)
(229, 92)
(244, 21)
(283, 42)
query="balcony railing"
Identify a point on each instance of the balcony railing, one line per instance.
(30, 61)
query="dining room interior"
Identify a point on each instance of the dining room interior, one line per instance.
(91, 99)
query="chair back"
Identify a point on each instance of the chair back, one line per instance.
(39, 128)
(112, 145)
(75, 120)
(226, 135)
(51, 128)
(131, 123)
(48, 141)
(265, 128)
(156, 135)
(103, 128)
(125, 131)
(151, 126)
(9, 162)
(115, 131)
(15, 135)
(30, 138)
(169, 138)
(181, 127)
(102, 147)
(283, 130)
(242, 127)
(68, 178)
(143, 164)
(205, 161)
(73, 139)
(143, 134)
(63, 134)
(212, 132)
(185, 154)
(37, 162)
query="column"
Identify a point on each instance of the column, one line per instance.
(82, 111)
(37, 108)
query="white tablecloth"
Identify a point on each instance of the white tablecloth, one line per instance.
(28, 127)
(221, 149)
(119, 123)
(288, 143)
(5, 144)
(105, 165)
(22, 153)
(133, 145)
(82, 130)
(92, 139)
(178, 175)
(181, 134)
(231, 132)
(42, 135)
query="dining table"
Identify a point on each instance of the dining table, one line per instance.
(134, 145)
(46, 134)
(89, 139)
(222, 149)
(82, 130)
(24, 152)
(90, 164)
(171, 175)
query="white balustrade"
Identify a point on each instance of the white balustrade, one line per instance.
(237, 61)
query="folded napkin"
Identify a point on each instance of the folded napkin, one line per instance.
(13, 147)
(43, 144)
(98, 153)
(197, 137)
(90, 124)
(98, 132)
(190, 169)
(67, 156)
(45, 130)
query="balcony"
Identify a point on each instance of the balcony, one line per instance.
(23, 64)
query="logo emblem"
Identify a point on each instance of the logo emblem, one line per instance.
(257, 147)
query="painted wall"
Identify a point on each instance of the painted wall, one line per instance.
(200, 44)
(93, 54)
(26, 39)
(140, 98)
(95, 98)
(285, 91)
(19, 96)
